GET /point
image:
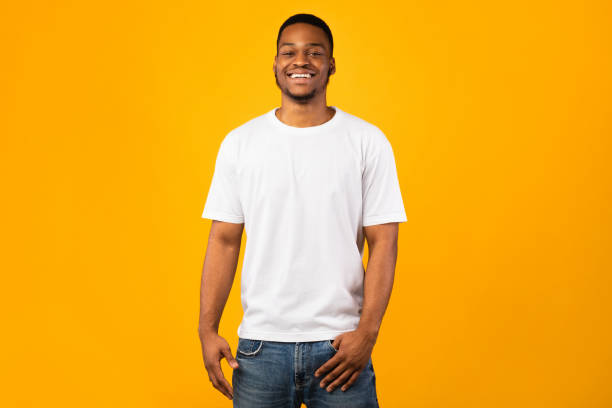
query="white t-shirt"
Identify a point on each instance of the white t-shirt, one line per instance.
(304, 195)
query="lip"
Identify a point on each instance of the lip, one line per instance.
(300, 80)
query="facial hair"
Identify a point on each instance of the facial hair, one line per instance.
(299, 98)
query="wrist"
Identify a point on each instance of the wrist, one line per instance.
(371, 333)
(205, 330)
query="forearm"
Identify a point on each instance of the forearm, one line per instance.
(378, 284)
(217, 278)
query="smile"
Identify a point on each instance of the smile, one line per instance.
(300, 79)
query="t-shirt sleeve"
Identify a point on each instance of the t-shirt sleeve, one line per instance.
(223, 200)
(382, 198)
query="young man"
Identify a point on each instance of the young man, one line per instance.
(308, 182)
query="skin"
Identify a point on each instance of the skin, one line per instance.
(218, 273)
(355, 347)
(303, 105)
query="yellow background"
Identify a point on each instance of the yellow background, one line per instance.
(500, 119)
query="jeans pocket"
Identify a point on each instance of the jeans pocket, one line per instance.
(329, 343)
(249, 347)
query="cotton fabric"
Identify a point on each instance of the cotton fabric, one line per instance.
(304, 196)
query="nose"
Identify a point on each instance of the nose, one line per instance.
(300, 59)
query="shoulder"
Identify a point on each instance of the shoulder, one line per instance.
(256, 124)
(231, 143)
(373, 139)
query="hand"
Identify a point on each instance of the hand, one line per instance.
(214, 348)
(354, 352)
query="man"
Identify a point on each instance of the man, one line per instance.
(308, 182)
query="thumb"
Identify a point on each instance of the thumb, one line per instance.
(227, 353)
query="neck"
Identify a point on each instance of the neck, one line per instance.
(309, 114)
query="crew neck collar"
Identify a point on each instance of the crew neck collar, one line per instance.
(309, 129)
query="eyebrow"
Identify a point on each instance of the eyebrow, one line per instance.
(316, 44)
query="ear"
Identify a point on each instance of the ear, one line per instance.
(332, 66)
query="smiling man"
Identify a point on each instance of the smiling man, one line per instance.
(309, 183)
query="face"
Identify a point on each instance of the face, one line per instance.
(303, 48)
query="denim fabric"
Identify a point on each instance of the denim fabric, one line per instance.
(281, 375)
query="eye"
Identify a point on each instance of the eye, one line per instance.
(286, 53)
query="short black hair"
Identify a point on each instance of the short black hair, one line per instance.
(308, 19)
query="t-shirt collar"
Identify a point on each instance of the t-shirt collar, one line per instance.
(309, 129)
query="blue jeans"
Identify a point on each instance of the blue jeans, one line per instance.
(276, 374)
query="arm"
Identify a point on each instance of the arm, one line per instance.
(218, 273)
(379, 276)
(355, 348)
(217, 278)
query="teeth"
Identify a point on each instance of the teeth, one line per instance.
(300, 75)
